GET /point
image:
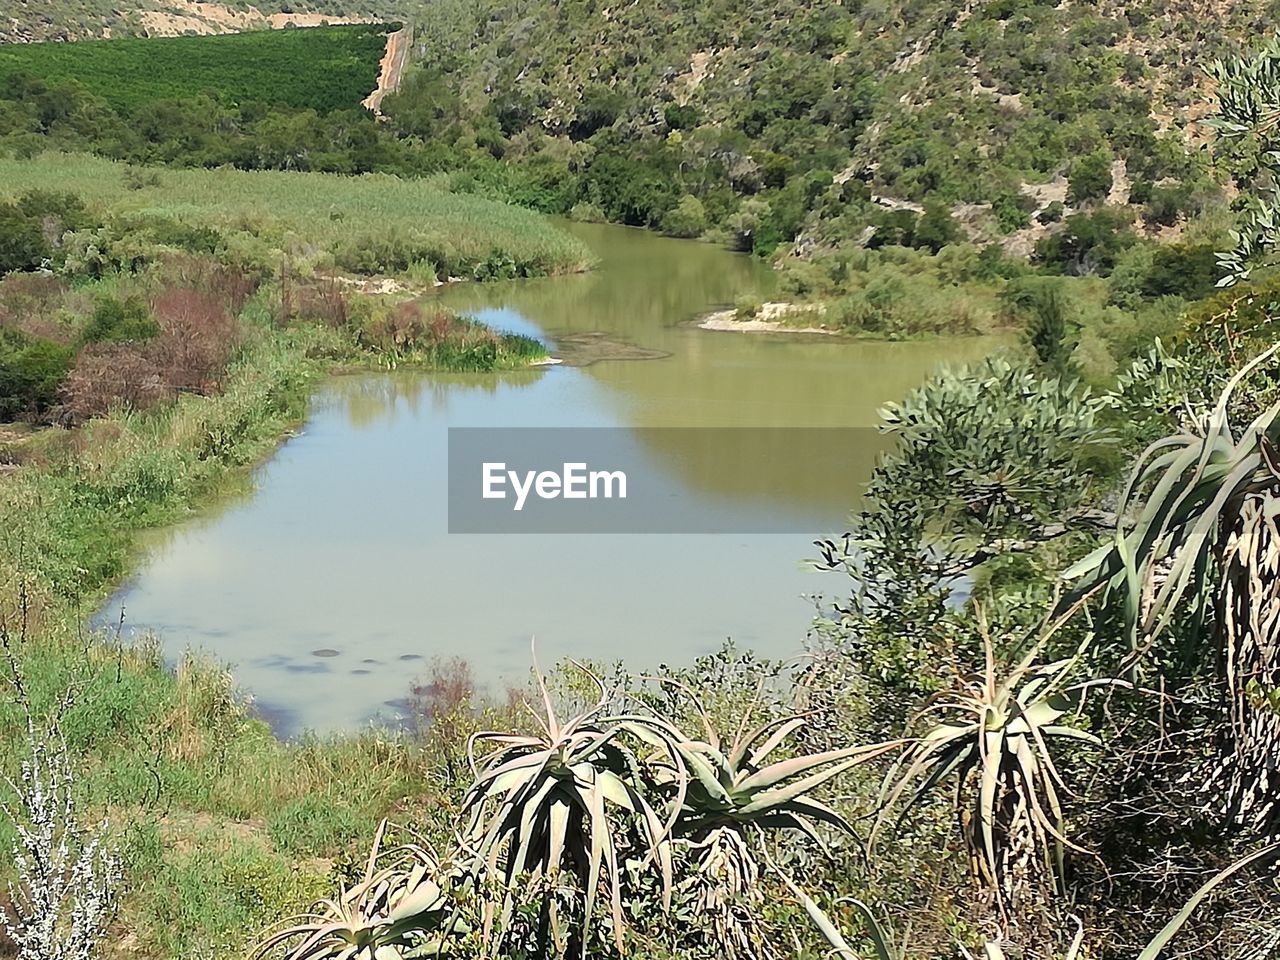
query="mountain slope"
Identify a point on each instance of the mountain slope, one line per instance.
(25, 21)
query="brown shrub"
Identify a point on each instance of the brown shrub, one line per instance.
(106, 374)
(225, 285)
(32, 303)
(198, 336)
(408, 325)
(323, 300)
(442, 706)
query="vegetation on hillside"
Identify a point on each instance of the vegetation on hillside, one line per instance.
(1038, 718)
(910, 182)
(321, 68)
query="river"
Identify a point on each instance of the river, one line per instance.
(331, 587)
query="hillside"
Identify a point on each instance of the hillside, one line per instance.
(28, 21)
(321, 68)
(798, 103)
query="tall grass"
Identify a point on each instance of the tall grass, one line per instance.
(369, 224)
(222, 826)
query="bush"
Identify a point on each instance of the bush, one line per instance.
(22, 243)
(1088, 243)
(117, 321)
(1090, 178)
(1052, 213)
(198, 336)
(1048, 331)
(108, 374)
(686, 219)
(1182, 270)
(586, 212)
(936, 227)
(31, 373)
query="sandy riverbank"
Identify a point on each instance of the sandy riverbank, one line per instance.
(770, 318)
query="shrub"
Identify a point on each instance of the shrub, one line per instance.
(1048, 331)
(1182, 270)
(687, 218)
(22, 243)
(119, 321)
(1088, 243)
(585, 212)
(198, 337)
(108, 374)
(1051, 213)
(31, 372)
(680, 116)
(936, 227)
(1012, 210)
(1090, 178)
(32, 303)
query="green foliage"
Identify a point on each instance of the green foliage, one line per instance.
(1048, 330)
(322, 68)
(1248, 87)
(1177, 494)
(540, 804)
(1090, 178)
(396, 910)
(22, 244)
(374, 224)
(1087, 243)
(688, 218)
(1182, 270)
(119, 321)
(991, 735)
(31, 373)
(936, 227)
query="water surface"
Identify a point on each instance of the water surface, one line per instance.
(333, 585)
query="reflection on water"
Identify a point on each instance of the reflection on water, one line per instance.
(331, 586)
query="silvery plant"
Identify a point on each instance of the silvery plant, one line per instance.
(68, 876)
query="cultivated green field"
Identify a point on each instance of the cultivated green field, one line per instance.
(322, 68)
(372, 224)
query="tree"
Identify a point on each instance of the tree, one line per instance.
(1248, 88)
(936, 227)
(22, 243)
(31, 373)
(1090, 178)
(1048, 331)
(1088, 243)
(686, 219)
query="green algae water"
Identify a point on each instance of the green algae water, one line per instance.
(331, 587)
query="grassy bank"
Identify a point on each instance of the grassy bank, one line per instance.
(223, 828)
(173, 345)
(374, 224)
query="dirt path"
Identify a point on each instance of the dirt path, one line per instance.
(393, 64)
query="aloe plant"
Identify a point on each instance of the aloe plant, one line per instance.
(1198, 531)
(1165, 540)
(991, 735)
(544, 803)
(398, 910)
(733, 784)
(734, 794)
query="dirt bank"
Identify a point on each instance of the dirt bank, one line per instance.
(770, 318)
(393, 64)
